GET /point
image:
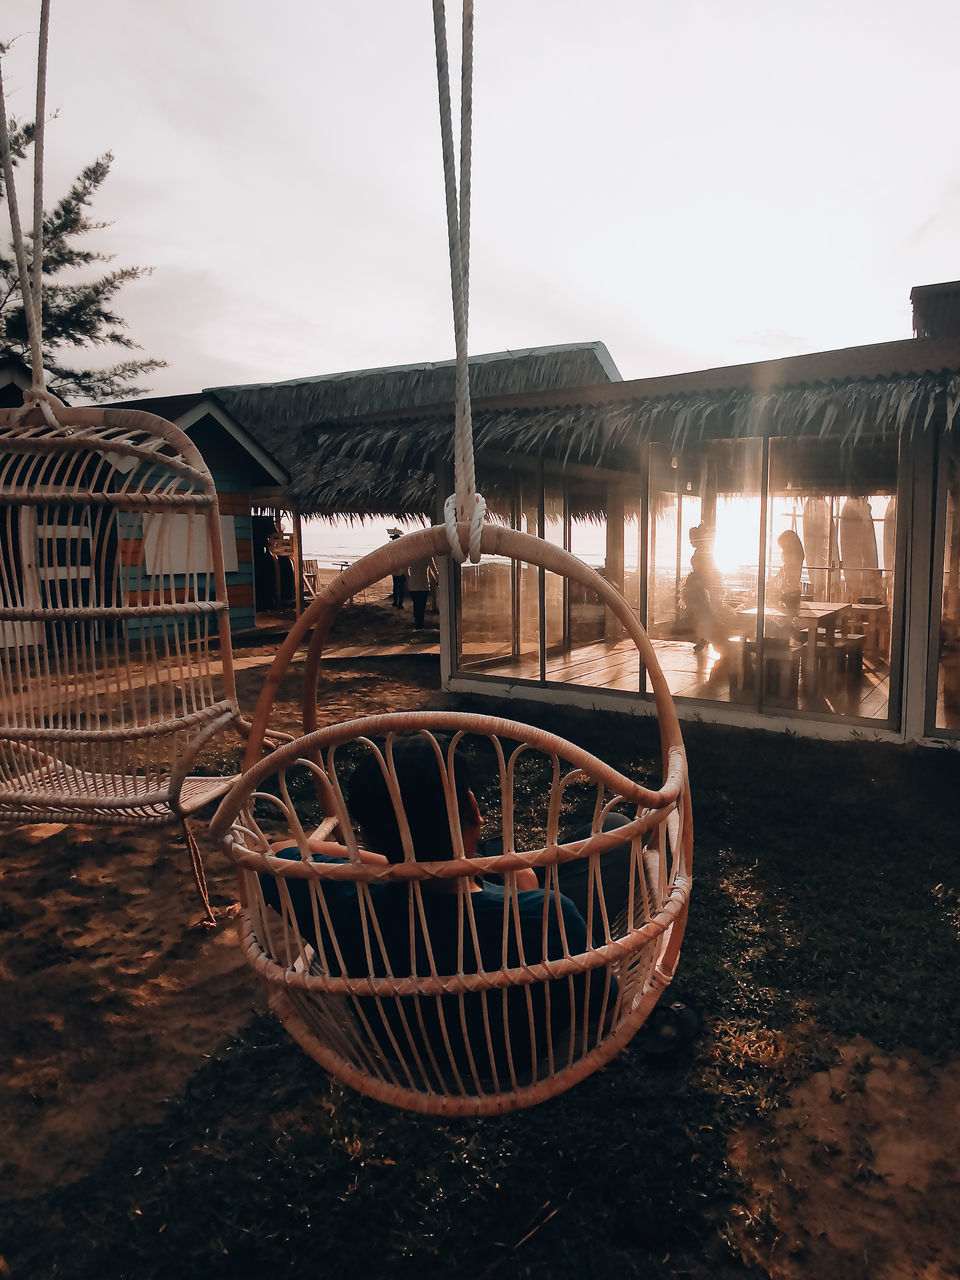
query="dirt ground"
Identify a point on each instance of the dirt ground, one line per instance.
(858, 1176)
(112, 991)
(112, 994)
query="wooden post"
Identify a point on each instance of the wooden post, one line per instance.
(297, 564)
(613, 568)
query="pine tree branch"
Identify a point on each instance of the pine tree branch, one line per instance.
(77, 314)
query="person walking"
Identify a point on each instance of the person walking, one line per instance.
(399, 579)
(418, 584)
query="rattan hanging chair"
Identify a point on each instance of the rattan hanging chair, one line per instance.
(115, 662)
(115, 659)
(419, 1025)
(116, 665)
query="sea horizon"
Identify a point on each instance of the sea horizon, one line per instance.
(338, 542)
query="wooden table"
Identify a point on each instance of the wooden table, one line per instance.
(811, 616)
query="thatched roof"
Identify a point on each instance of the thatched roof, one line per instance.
(383, 464)
(277, 412)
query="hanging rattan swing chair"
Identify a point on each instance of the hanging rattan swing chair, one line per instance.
(115, 652)
(461, 1040)
(394, 975)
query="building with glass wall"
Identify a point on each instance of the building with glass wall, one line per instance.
(787, 532)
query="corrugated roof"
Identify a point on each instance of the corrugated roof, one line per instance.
(169, 407)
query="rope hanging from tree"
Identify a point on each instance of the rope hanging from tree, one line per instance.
(465, 504)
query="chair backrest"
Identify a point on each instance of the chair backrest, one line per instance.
(311, 576)
(115, 658)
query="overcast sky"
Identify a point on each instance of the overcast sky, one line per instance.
(694, 182)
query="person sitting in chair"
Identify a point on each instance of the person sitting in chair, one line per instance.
(435, 937)
(788, 580)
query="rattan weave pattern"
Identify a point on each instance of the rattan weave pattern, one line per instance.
(115, 657)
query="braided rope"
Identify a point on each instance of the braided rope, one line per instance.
(466, 150)
(467, 508)
(31, 275)
(36, 283)
(13, 209)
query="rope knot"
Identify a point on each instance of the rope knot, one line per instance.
(37, 396)
(475, 518)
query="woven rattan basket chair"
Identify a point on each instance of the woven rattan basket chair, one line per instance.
(436, 1030)
(115, 658)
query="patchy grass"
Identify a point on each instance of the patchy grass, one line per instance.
(826, 891)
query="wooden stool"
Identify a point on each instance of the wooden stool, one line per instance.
(850, 649)
(873, 618)
(781, 672)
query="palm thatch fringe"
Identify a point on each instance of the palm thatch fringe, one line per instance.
(386, 467)
(363, 488)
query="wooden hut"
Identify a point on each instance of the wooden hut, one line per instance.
(14, 380)
(250, 484)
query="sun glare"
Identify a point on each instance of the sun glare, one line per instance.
(738, 533)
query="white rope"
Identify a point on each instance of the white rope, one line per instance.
(31, 275)
(467, 505)
(36, 283)
(466, 151)
(476, 519)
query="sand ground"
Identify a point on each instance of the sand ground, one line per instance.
(112, 995)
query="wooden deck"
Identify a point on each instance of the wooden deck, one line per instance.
(704, 676)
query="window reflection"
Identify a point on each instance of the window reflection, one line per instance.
(830, 572)
(767, 571)
(704, 535)
(948, 684)
(487, 631)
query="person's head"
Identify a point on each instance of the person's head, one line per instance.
(701, 536)
(791, 548)
(421, 788)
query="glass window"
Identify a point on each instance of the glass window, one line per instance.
(488, 606)
(499, 617)
(527, 585)
(830, 574)
(771, 577)
(590, 647)
(948, 667)
(556, 597)
(704, 540)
